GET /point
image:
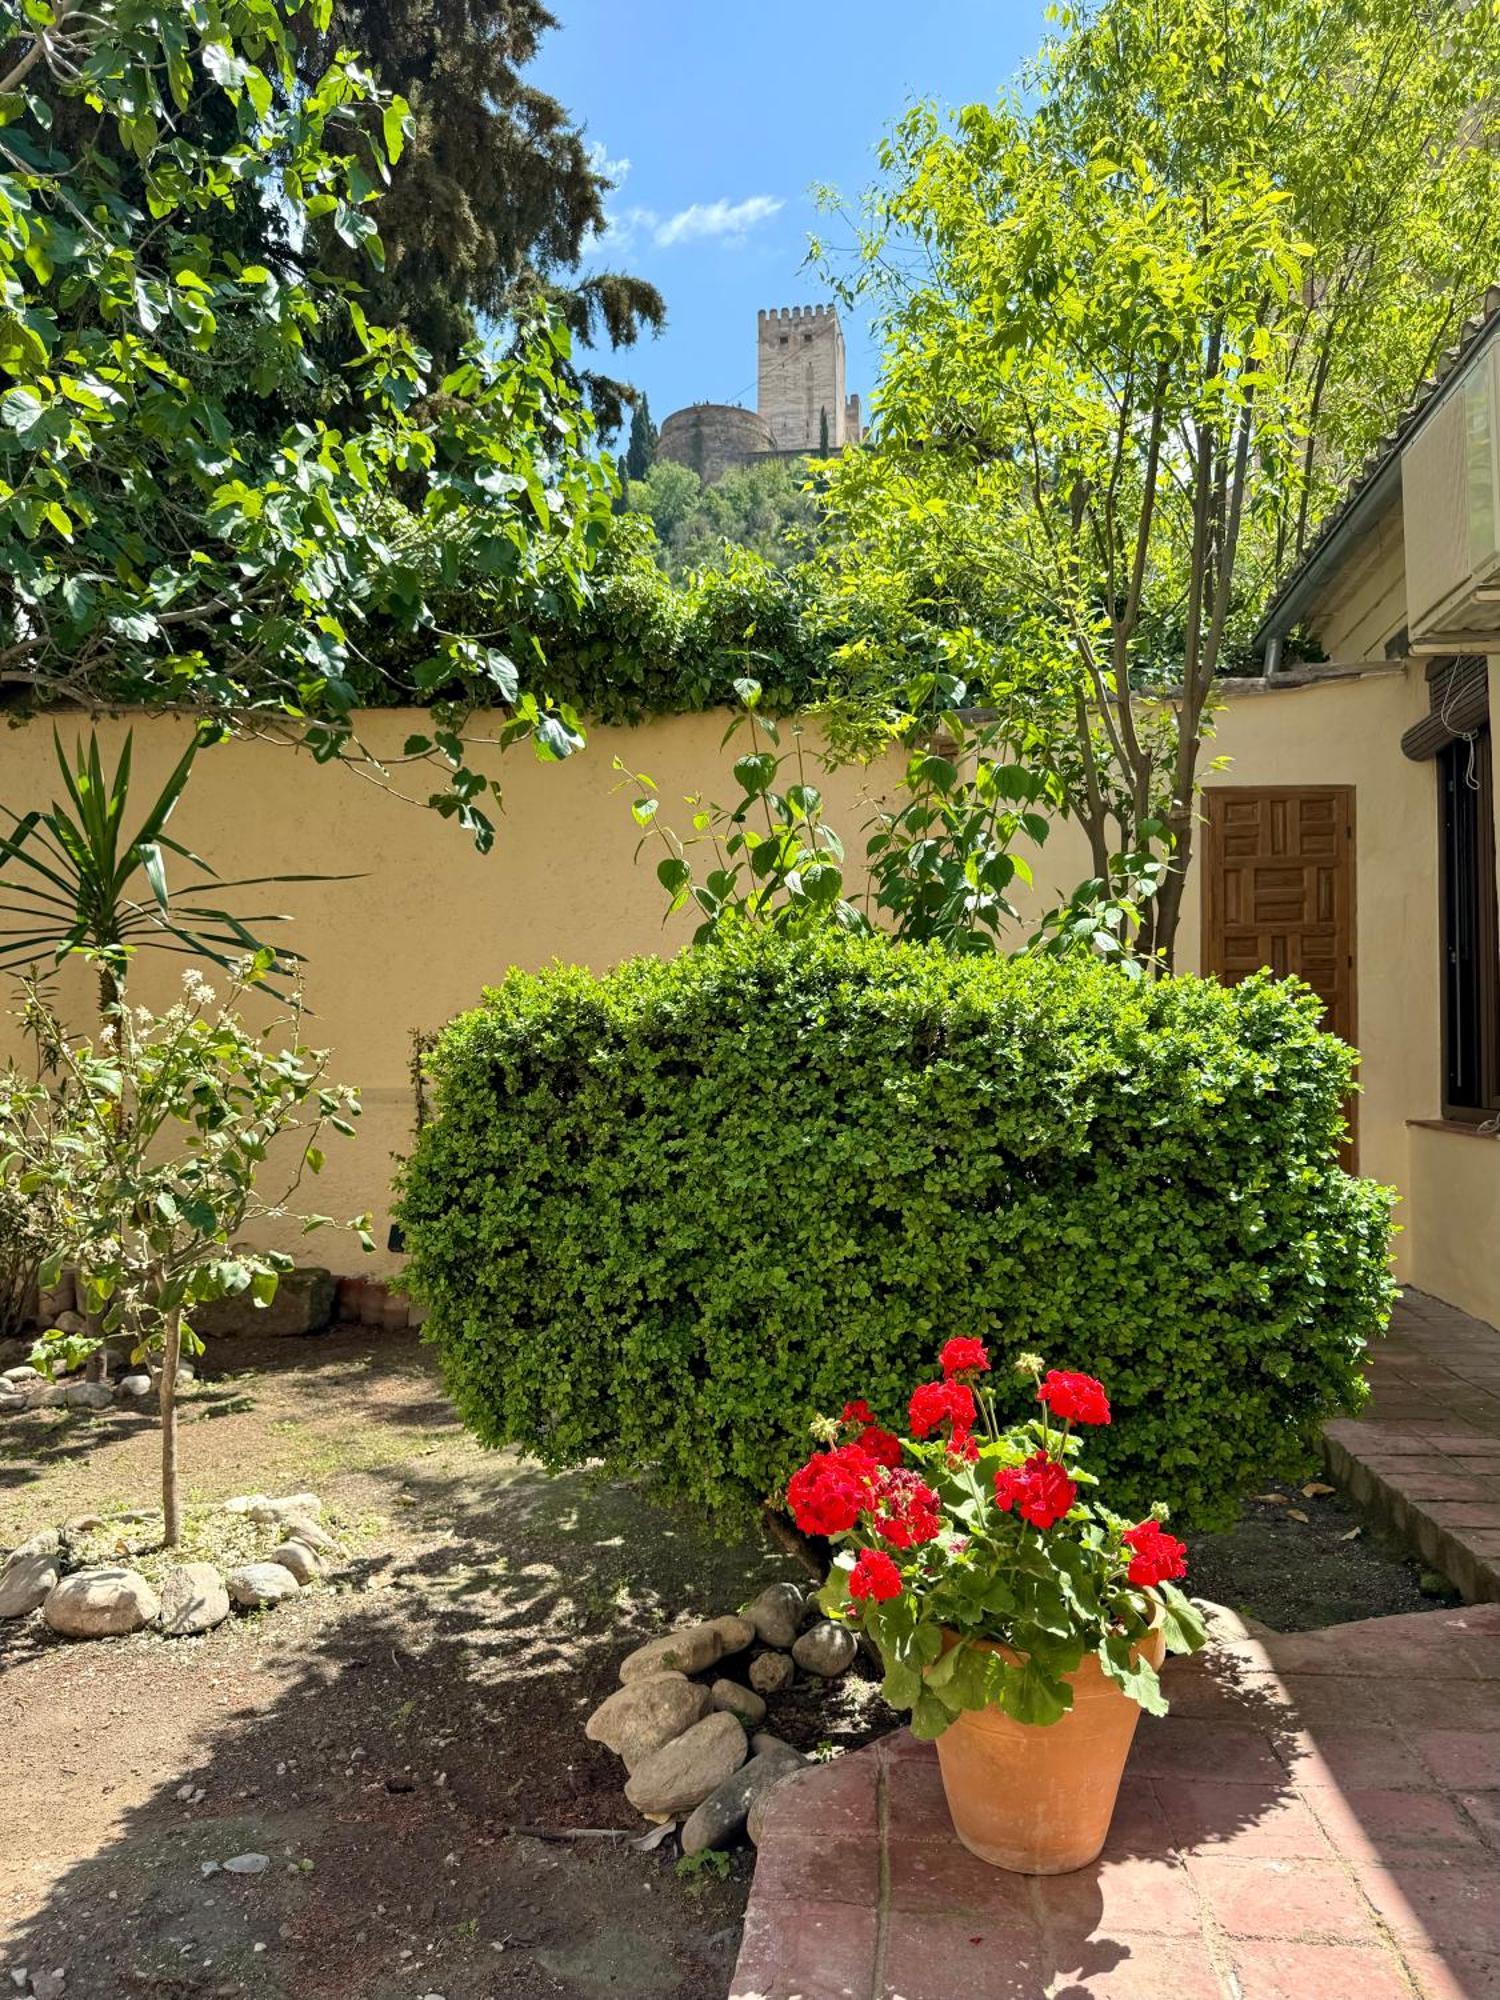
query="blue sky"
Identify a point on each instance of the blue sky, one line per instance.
(718, 133)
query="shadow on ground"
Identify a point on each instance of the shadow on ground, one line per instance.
(405, 1748)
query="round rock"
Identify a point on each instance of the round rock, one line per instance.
(725, 1810)
(826, 1649)
(46, 1395)
(640, 1717)
(303, 1528)
(131, 1388)
(11, 1405)
(272, 1512)
(735, 1634)
(256, 1585)
(763, 1741)
(89, 1396)
(100, 1604)
(777, 1614)
(26, 1581)
(736, 1700)
(687, 1651)
(299, 1559)
(772, 1673)
(193, 1600)
(683, 1772)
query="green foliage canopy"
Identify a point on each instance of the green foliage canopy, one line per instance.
(1140, 319)
(765, 506)
(665, 1217)
(157, 546)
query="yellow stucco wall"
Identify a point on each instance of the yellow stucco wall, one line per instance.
(430, 922)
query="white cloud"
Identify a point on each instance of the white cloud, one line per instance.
(729, 221)
(601, 163)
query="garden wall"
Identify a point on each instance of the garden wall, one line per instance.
(430, 922)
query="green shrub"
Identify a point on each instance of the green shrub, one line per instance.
(665, 1217)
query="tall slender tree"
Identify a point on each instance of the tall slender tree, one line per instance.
(1141, 319)
(640, 453)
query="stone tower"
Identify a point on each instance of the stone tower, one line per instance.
(801, 397)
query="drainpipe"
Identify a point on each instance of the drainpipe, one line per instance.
(1272, 658)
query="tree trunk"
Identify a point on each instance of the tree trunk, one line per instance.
(167, 1388)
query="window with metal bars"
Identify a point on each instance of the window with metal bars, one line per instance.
(1470, 930)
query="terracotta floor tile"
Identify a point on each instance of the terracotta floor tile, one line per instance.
(954, 1958)
(1380, 1825)
(1308, 1900)
(818, 1868)
(1462, 1705)
(941, 1877)
(833, 1799)
(1328, 1755)
(916, 1804)
(806, 1951)
(1187, 1745)
(1344, 1700)
(1139, 1825)
(1152, 1897)
(1271, 1969)
(1437, 1909)
(1454, 1975)
(1140, 1968)
(1207, 1817)
(1463, 1756)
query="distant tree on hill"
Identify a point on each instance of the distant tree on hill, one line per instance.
(640, 453)
(763, 506)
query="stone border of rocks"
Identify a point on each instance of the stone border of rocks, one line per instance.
(694, 1748)
(27, 1388)
(109, 1601)
(309, 1300)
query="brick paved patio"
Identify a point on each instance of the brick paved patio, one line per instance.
(1317, 1819)
(1426, 1453)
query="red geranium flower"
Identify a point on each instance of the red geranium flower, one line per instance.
(858, 1413)
(1157, 1556)
(883, 1446)
(962, 1356)
(1077, 1396)
(936, 1403)
(907, 1511)
(1040, 1490)
(829, 1493)
(874, 1575)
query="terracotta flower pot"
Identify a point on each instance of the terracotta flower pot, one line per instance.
(1039, 1800)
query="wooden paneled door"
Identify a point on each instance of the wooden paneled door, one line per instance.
(1279, 891)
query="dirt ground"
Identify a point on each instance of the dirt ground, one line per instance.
(405, 1742)
(401, 1743)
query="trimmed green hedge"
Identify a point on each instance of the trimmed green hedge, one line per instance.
(664, 1217)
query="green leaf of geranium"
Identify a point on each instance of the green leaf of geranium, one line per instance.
(1129, 1671)
(1030, 1695)
(929, 1717)
(1184, 1629)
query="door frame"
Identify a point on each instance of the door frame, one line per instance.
(1213, 893)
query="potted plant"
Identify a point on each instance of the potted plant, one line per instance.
(1019, 1620)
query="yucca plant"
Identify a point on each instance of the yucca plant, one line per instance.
(73, 880)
